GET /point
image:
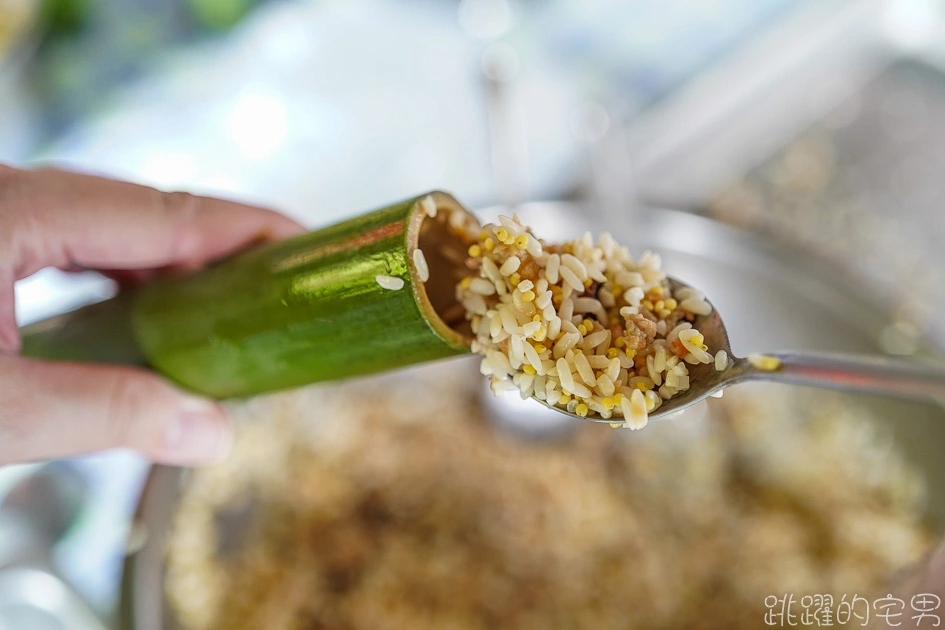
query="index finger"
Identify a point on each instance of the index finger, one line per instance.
(62, 219)
(58, 218)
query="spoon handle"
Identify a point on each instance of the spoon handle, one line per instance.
(887, 376)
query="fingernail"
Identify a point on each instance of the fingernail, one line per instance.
(200, 433)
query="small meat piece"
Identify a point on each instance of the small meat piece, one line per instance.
(640, 331)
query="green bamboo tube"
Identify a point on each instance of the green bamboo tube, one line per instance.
(299, 311)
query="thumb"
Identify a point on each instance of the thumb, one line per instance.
(59, 409)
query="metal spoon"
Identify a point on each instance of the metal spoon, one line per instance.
(870, 374)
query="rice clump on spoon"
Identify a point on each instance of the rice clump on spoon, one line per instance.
(581, 324)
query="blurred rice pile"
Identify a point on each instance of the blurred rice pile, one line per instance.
(392, 503)
(864, 189)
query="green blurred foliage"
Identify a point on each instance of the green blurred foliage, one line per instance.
(64, 16)
(219, 14)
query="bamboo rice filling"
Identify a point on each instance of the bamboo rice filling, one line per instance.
(581, 325)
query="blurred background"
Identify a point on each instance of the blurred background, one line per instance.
(816, 123)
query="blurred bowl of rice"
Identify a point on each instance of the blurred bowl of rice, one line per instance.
(411, 500)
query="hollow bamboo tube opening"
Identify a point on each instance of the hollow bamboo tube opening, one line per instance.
(443, 240)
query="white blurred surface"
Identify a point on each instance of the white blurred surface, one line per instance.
(325, 109)
(50, 292)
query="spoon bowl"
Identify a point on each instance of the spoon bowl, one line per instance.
(896, 377)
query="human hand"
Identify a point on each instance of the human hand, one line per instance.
(51, 218)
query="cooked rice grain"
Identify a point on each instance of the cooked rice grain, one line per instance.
(389, 282)
(420, 262)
